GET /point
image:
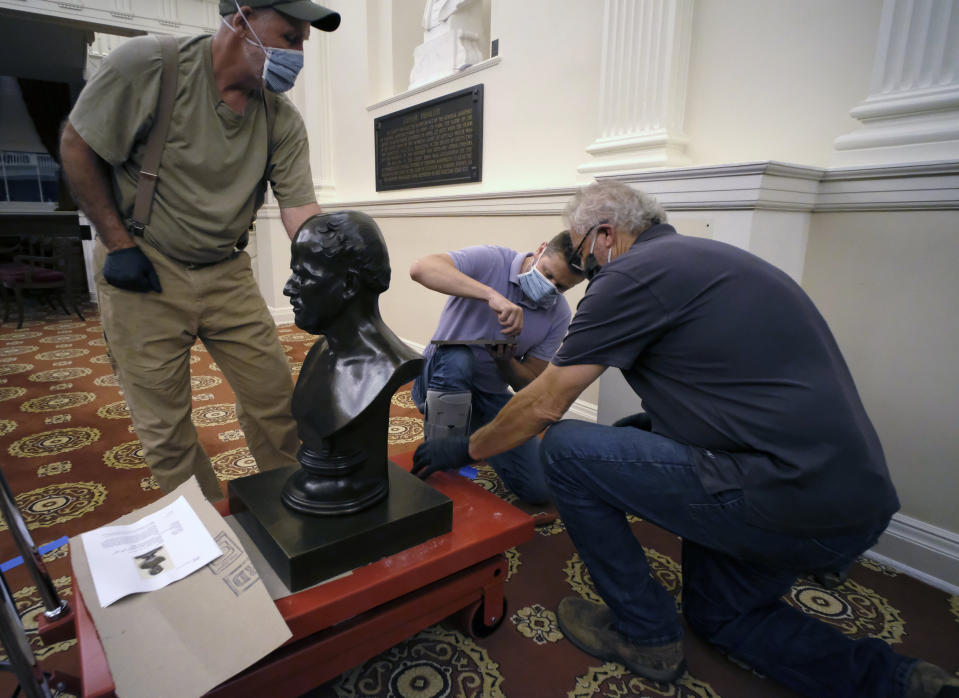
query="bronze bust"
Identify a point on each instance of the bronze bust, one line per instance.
(341, 401)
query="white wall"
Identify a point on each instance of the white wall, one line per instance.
(775, 79)
(887, 285)
(768, 80)
(539, 108)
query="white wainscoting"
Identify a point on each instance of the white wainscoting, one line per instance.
(921, 550)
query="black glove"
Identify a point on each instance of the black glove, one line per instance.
(441, 454)
(131, 270)
(640, 420)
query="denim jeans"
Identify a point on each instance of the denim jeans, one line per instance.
(450, 369)
(733, 572)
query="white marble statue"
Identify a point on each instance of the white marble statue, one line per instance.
(451, 39)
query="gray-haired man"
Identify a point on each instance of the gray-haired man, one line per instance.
(754, 448)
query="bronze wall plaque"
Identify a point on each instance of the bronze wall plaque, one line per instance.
(433, 143)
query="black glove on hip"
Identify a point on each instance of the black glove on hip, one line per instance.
(441, 454)
(131, 270)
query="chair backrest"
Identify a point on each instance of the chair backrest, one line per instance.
(39, 272)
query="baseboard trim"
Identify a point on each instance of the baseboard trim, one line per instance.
(581, 409)
(282, 316)
(920, 550)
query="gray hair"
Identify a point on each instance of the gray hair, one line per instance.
(618, 204)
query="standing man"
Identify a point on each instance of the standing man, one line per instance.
(183, 275)
(754, 448)
(495, 294)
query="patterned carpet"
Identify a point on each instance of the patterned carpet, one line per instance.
(73, 461)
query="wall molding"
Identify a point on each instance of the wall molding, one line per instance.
(921, 550)
(767, 185)
(425, 87)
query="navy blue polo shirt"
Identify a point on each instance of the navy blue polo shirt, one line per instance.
(731, 357)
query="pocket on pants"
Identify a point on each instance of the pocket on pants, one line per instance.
(726, 506)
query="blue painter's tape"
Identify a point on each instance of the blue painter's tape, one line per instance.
(468, 471)
(45, 548)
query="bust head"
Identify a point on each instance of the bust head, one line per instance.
(339, 262)
(341, 401)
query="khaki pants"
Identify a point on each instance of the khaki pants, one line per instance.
(149, 336)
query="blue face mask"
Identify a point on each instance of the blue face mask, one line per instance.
(537, 287)
(282, 65)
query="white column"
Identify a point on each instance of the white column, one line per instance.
(912, 111)
(643, 90)
(318, 113)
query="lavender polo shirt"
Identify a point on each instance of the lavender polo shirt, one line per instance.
(469, 318)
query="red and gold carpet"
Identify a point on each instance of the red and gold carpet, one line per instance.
(74, 463)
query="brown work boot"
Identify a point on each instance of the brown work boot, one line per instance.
(590, 627)
(929, 681)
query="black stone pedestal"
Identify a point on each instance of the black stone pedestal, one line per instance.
(304, 549)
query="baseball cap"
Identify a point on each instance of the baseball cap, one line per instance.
(317, 15)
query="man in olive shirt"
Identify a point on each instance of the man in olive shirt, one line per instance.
(183, 276)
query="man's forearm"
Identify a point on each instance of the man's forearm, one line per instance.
(516, 423)
(438, 273)
(86, 173)
(541, 403)
(293, 218)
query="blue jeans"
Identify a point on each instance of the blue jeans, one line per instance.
(733, 572)
(450, 369)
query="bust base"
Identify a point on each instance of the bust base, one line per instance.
(304, 549)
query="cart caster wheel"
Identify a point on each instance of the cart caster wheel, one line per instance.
(471, 621)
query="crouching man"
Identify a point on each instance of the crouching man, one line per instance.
(515, 299)
(754, 448)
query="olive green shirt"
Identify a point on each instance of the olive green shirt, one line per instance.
(214, 159)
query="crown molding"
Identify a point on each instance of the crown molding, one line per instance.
(769, 185)
(425, 87)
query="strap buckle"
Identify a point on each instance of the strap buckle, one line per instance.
(135, 227)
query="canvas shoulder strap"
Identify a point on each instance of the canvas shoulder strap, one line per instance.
(270, 106)
(149, 168)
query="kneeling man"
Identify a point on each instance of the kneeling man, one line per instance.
(754, 448)
(505, 296)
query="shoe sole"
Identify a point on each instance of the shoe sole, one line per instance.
(661, 677)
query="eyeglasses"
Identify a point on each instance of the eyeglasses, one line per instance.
(576, 261)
